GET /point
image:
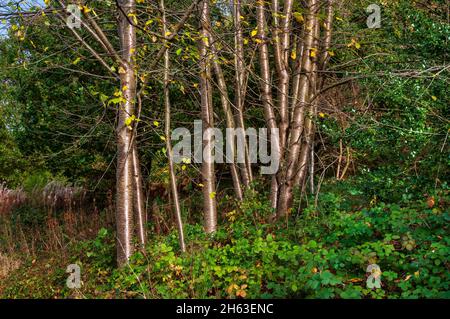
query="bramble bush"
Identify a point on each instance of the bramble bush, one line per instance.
(323, 253)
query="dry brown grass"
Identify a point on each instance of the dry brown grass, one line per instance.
(9, 199)
(8, 264)
(66, 215)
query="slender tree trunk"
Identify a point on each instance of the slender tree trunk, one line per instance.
(125, 169)
(139, 198)
(208, 173)
(224, 98)
(173, 179)
(316, 84)
(240, 74)
(308, 131)
(297, 124)
(281, 30)
(266, 85)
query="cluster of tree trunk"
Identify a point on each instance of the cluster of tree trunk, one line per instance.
(293, 51)
(294, 48)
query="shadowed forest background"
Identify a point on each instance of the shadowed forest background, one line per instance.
(87, 176)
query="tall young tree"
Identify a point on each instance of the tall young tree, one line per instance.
(130, 212)
(240, 87)
(266, 86)
(125, 168)
(173, 179)
(208, 172)
(297, 127)
(229, 119)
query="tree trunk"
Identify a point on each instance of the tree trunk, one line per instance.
(208, 173)
(224, 98)
(316, 84)
(297, 124)
(173, 179)
(139, 199)
(266, 86)
(125, 169)
(240, 74)
(281, 32)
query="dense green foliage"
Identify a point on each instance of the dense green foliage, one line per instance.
(389, 120)
(323, 254)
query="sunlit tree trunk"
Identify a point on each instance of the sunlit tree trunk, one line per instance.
(208, 173)
(240, 87)
(266, 85)
(140, 214)
(302, 105)
(125, 169)
(281, 34)
(316, 84)
(173, 179)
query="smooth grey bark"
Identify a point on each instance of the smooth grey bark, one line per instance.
(316, 85)
(207, 170)
(298, 120)
(266, 85)
(240, 89)
(140, 214)
(125, 169)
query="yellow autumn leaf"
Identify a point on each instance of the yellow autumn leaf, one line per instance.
(75, 62)
(434, 98)
(129, 120)
(156, 123)
(133, 16)
(299, 17)
(253, 33)
(121, 70)
(354, 43)
(86, 9)
(294, 54)
(212, 195)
